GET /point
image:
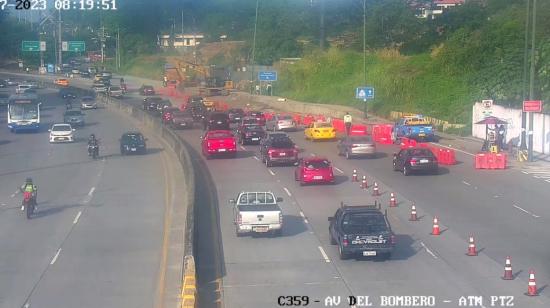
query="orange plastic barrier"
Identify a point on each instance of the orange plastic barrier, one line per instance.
(297, 118)
(488, 160)
(308, 120)
(268, 116)
(358, 130)
(320, 118)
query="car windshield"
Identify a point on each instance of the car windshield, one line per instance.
(219, 135)
(420, 152)
(282, 144)
(61, 128)
(134, 137)
(317, 164)
(236, 111)
(363, 223)
(87, 99)
(249, 121)
(256, 198)
(322, 125)
(285, 117)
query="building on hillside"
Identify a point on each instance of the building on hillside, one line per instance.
(179, 40)
(430, 9)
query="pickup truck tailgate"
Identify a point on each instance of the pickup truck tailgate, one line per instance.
(259, 217)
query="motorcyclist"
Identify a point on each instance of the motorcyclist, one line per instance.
(29, 187)
(121, 80)
(92, 143)
(165, 81)
(69, 104)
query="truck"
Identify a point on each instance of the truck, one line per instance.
(257, 212)
(413, 127)
(361, 231)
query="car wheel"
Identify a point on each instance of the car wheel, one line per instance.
(343, 255)
(332, 240)
(406, 171)
(348, 156)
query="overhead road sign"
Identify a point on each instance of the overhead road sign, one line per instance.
(73, 46)
(532, 106)
(267, 76)
(31, 45)
(364, 93)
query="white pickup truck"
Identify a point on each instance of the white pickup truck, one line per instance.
(257, 212)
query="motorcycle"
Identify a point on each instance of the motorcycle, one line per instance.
(29, 203)
(93, 150)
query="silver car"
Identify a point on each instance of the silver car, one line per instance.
(353, 146)
(88, 102)
(281, 123)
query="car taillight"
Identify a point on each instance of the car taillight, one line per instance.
(208, 144)
(413, 161)
(270, 151)
(280, 218)
(345, 242)
(393, 240)
(239, 219)
(248, 134)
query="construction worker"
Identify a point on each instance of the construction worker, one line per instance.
(347, 123)
(165, 81)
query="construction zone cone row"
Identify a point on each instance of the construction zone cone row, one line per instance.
(413, 213)
(354, 176)
(393, 201)
(508, 270)
(532, 286)
(375, 191)
(471, 247)
(435, 228)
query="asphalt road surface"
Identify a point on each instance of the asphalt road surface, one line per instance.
(505, 212)
(95, 239)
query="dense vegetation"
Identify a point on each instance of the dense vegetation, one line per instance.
(433, 66)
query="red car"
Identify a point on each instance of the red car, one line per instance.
(168, 114)
(219, 142)
(314, 170)
(260, 117)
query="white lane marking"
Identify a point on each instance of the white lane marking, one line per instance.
(428, 250)
(242, 148)
(324, 254)
(525, 211)
(271, 171)
(304, 217)
(466, 183)
(16, 192)
(91, 191)
(287, 191)
(525, 172)
(13, 195)
(311, 283)
(451, 148)
(77, 217)
(55, 257)
(547, 181)
(256, 158)
(342, 172)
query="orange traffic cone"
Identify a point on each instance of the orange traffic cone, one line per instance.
(532, 287)
(413, 213)
(354, 176)
(375, 191)
(364, 184)
(435, 229)
(471, 247)
(508, 270)
(393, 202)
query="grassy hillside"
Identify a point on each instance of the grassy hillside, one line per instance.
(405, 83)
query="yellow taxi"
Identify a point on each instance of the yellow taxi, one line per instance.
(320, 131)
(63, 82)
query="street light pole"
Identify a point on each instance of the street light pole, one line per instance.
(365, 53)
(532, 79)
(252, 78)
(59, 42)
(523, 145)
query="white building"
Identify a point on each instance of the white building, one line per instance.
(180, 40)
(437, 7)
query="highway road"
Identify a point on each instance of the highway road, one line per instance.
(96, 237)
(504, 210)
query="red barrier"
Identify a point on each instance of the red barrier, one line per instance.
(358, 130)
(320, 118)
(490, 160)
(500, 160)
(338, 124)
(297, 118)
(481, 161)
(308, 120)
(268, 116)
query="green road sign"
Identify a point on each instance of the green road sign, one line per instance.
(30, 46)
(73, 46)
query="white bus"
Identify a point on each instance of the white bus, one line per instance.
(23, 113)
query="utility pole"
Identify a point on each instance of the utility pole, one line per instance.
(102, 41)
(59, 42)
(523, 145)
(117, 51)
(322, 26)
(532, 79)
(252, 78)
(365, 53)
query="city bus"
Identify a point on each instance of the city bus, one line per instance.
(23, 112)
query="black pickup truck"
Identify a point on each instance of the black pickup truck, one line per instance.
(361, 231)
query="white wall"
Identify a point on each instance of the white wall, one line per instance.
(541, 125)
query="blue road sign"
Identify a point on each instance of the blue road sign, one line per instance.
(364, 92)
(50, 68)
(267, 76)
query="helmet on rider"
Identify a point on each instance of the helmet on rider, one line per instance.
(92, 137)
(28, 181)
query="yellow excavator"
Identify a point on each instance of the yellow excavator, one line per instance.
(212, 81)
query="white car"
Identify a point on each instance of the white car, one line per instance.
(61, 133)
(88, 102)
(22, 87)
(281, 123)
